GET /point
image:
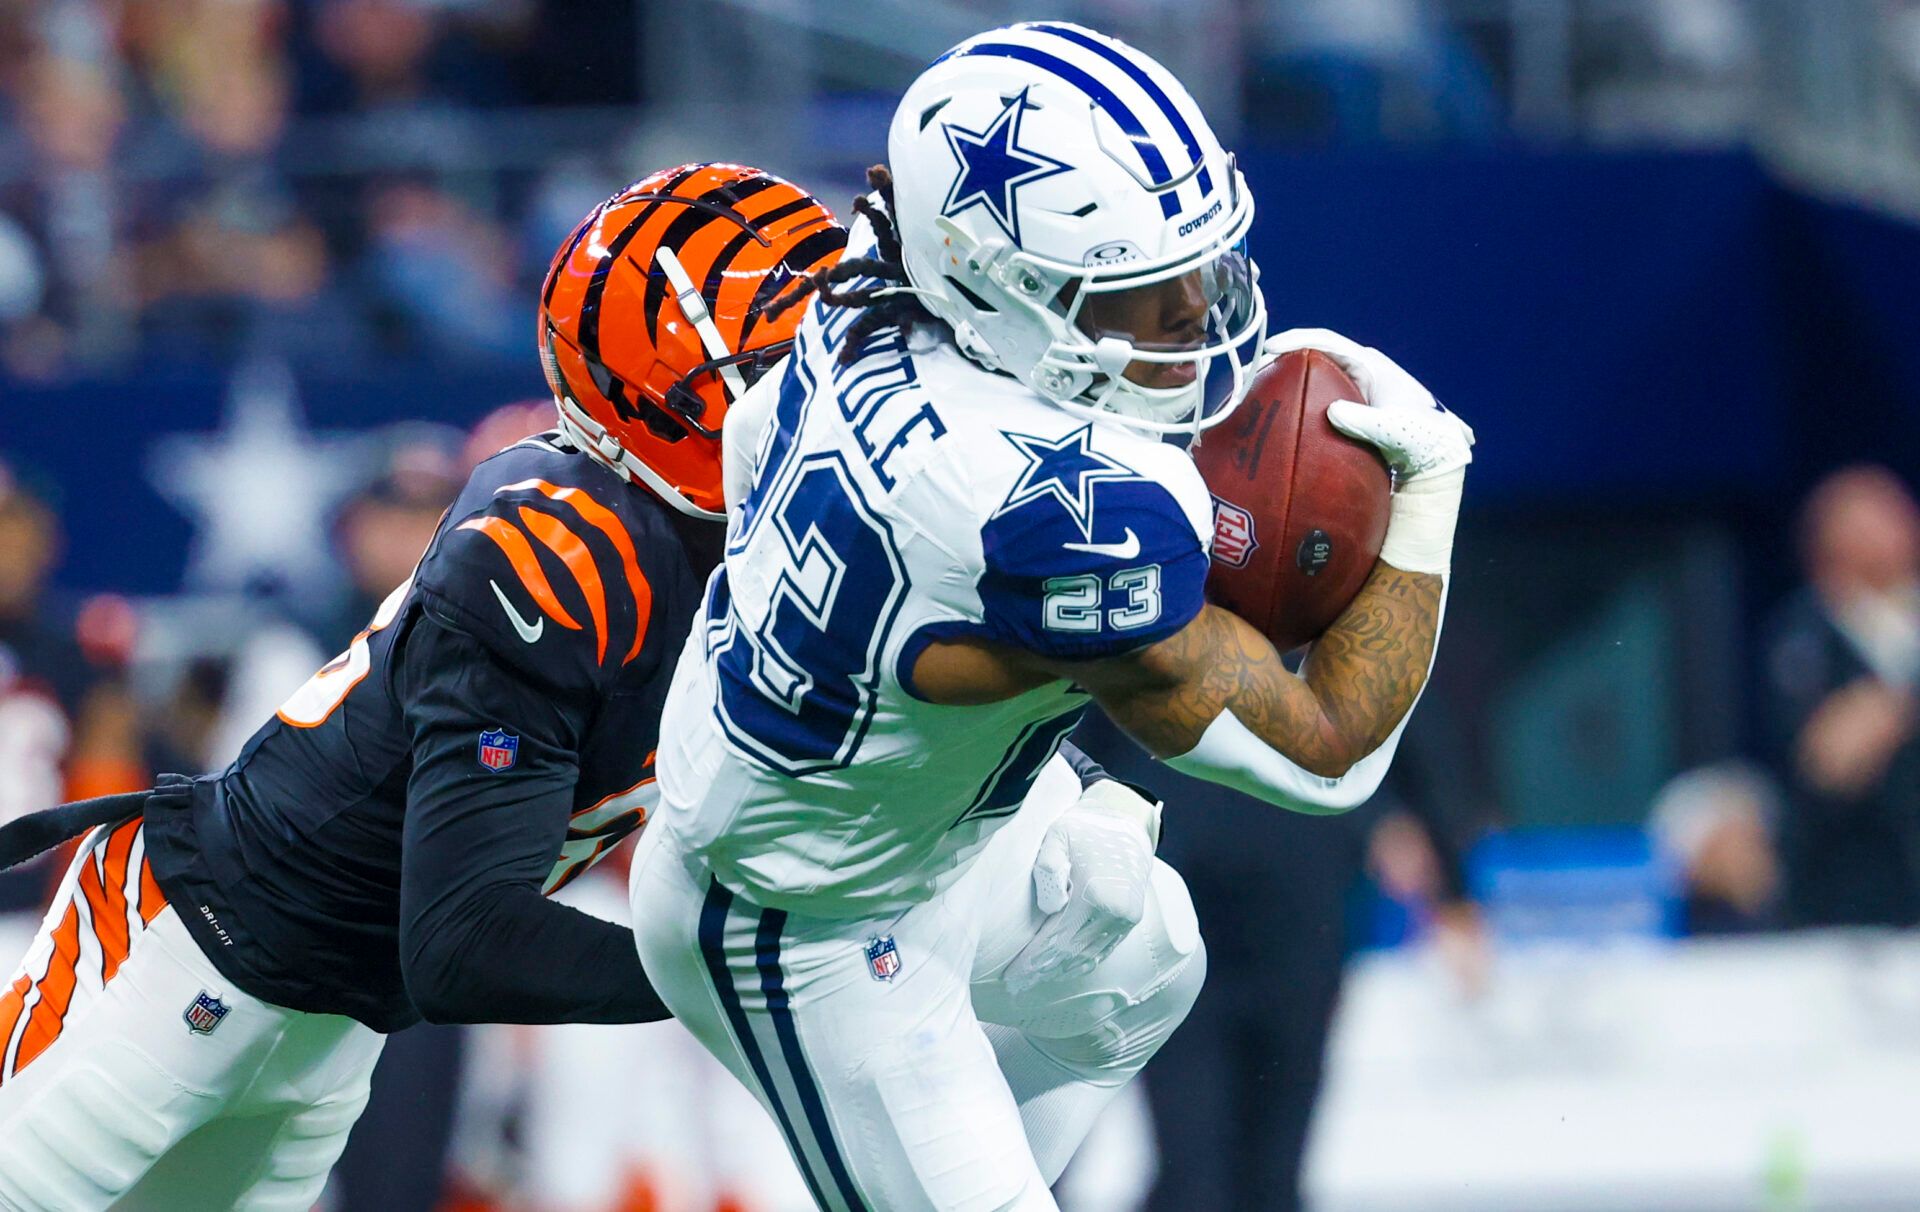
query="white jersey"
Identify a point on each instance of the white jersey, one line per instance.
(904, 497)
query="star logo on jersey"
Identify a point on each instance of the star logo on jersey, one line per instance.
(499, 749)
(1064, 469)
(993, 167)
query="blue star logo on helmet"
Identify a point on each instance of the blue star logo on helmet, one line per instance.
(993, 167)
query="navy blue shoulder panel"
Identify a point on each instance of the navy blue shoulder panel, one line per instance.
(1087, 559)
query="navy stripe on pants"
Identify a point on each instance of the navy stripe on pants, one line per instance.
(713, 938)
(772, 983)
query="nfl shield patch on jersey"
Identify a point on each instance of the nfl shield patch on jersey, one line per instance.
(498, 749)
(883, 958)
(205, 1013)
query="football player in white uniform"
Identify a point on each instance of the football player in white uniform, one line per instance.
(960, 521)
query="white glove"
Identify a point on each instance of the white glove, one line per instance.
(1414, 431)
(1090, 878)
(1427, 446)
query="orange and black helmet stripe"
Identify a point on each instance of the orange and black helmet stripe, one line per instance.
(617, 347)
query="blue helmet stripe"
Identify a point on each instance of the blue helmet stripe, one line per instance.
(1139, 76)
(1101, 95)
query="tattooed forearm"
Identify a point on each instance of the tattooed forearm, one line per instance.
(1370, 665)
(1361, 677)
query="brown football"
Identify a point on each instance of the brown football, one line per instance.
(1299, 509)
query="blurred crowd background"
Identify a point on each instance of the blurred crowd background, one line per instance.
(1632, 925)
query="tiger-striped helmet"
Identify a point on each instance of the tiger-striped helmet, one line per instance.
(652, 318)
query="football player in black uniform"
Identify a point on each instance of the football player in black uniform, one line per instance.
(196, 1024)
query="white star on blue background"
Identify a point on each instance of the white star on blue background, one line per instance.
(1065, 470)
(261, 489)
(993, 166)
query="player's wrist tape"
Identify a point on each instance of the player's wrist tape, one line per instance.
(1420, 522)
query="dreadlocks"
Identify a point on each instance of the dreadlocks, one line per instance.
(882, 309)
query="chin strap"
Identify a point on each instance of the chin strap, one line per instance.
(592, 438)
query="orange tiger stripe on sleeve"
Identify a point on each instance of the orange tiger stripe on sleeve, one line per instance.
(526, 566)
(572, 550)
(608, 523)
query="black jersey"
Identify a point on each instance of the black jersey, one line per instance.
(487, 737)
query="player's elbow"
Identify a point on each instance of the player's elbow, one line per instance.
(1329, 751)
(1332, 765)
(429, 972)
(1340, 781)
(432, 996)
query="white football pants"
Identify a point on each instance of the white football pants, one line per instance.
(135, 1076)
(934, 1087)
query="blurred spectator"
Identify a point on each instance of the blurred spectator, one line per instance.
(379, 48)
(182, 734)
(1367, 70)
(1716, 826)
(242, 272)
(1842, 665)
(218, 66)
(384, 529)
(445, 272)
(504, 426)
(72, 109)
(29, 344)
(68, 727)
(394, 55)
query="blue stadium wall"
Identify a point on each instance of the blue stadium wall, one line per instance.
(1626, 331)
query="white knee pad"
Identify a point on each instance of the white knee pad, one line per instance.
(1111, 1021)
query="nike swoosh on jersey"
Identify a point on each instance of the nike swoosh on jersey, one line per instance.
(1118, 551)
(528, 631)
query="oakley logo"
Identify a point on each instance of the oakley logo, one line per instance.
(1193, 225)
(1112, 254)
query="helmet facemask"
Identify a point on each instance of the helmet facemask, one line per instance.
(1074, 345)
(1167, 351)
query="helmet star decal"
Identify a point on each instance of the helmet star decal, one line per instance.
(993, 167)
(1065, 470)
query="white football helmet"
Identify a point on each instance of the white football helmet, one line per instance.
(1042, 171)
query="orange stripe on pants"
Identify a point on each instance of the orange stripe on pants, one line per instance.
(115, 939)
(11, 1006)
(56, 990)
(103, 931)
